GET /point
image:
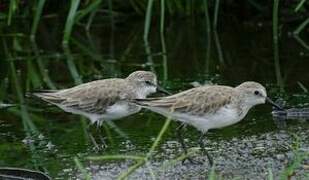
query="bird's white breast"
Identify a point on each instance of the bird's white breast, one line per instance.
(225, 116)
(116, 111)
(119, 110)
(145, 91)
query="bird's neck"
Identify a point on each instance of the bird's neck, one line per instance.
(145, 91)
(244, 107)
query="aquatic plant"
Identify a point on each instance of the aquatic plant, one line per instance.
(77, 13)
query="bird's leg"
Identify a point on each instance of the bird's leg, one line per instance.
(180, 138)
(102, 138)
(92, 139)
(98, 146)
(204, 151)
(182, 143)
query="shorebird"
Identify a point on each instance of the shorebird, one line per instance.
(106, 99)
(209, 107)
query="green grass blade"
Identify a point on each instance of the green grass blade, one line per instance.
(212, 174)
(32, 75)
(301, 27)
(162, 16)
(71, 65)
(256, 5)
(159, 137)
(299, 5)
(92, 7)
(27, 122)
(180, 158)
(301, 42)
(275, 21)
(208, 26)
(37, 17)
(111, 15)
(70, 21)
(114, 157)
(136, 7)
(290, 170)
(149, 54)
(151, 172)
(170, 7)
(148, 19)
(115, 128)
(219, 47)
(276, 44)
(270, 174)
(12, 8)
(141, 4)
(130, 170)
(164, 58)
(162, 38)
(302, 86)
(216, 13)
(43, 70)
(80, 167)
(178, 6)
(87, 49)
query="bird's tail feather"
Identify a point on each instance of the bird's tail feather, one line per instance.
(142, 102)
(46, 95)
(152, 102)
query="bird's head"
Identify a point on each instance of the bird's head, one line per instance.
(254, 93)
(146, 82)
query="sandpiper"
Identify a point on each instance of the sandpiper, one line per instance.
(209, 107)
(106, 99)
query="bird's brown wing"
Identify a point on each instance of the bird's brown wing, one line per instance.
(196, 101)
(94, 97)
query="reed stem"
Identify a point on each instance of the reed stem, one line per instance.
(70, 21)
(148, 19)
(37, 17)
(276, 44)
(216, 13)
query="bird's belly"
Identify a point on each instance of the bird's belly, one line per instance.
(225, 116)
(222, 118)
(120, 110)
(116, 111)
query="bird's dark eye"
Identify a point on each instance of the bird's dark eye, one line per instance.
(149, 83)
(256, 92)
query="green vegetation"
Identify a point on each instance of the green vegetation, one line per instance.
(82, 13)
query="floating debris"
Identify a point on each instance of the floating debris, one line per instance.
(27, 141)
(50, 145)
(4, 105)
(291, 113)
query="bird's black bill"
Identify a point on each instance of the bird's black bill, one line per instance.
(160, 89)
(274, 104)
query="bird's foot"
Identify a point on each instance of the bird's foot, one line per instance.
(98, 147)
(191, 161)
(209, 158)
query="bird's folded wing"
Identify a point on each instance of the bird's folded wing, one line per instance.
(195, 101)
(90, 99)
(93, 100)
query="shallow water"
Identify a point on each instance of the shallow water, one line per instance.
(38, 136)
